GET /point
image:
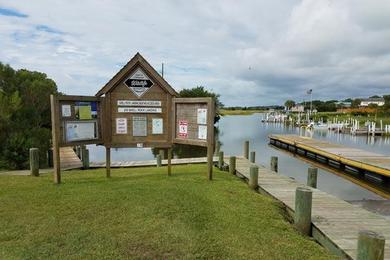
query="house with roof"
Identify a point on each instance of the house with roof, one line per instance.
(367, 101)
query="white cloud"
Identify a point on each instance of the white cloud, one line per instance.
(251, 52)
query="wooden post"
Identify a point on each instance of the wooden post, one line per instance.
(34, 161)
(210, 162)
(246, 149)
(108, 162)
(220, 160)
(55, 131)
(232, 165)
(303, 202)
(253, 157)
(253, 176)
(169, 167)
(312, 177)
(50, 157)
(162, 153)
(371, 245)
(78, 151)
(217, 147)
(274, 163)
(85, 157)
(158, 159)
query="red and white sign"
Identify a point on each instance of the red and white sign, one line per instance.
(183, 128)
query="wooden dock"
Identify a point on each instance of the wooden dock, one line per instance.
(360, 160)
(69, 159)
(335, 223)
(122, 164)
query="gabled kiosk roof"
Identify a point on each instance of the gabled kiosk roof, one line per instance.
(136, 61)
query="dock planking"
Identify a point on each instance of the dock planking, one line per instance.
(356, 158)
(335, 223)
(69, 159)
(147, 163)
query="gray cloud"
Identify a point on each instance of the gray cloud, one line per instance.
(252, 52)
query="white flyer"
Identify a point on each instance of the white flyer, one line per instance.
(66, 110)
(202, 116)
(157, 126)
(121, 126)
(202, 132)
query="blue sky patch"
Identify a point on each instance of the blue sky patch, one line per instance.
(12, 12)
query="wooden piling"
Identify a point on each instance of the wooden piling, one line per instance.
(371, 245)
(85, 157)
(159, 160)
(253, 157)
(108, 162)
(169, 166)
(312, 177)
(34, 161)
(232, 165)
(220, 160)
(303, 203)
(162, 153)
(50, 157)
(246, 149)
(274, 163)
(253, 176)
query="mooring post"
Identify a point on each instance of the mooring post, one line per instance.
(34, 161)
(217, 147)
(78, 151)
(108, 162)
(169, 159)
(246, 149)
(50, 157)
(371, 245)
(312, 177)
(158, 159)
(253, 176)
(232, 165)
(302, 217)
(274, 163)
(85, 157)
(220, 160)
(253, 157)
(162, 153)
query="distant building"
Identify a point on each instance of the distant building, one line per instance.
(298, 108)
(368, 101)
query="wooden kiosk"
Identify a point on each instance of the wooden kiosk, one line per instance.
(137, 108)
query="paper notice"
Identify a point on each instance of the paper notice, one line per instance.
(66, 111)
(157, 126)
(202, 116)
(121, 126)
(202, 132)
(85, 112)
(183, 128)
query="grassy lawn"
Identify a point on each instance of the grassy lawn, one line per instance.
(228, 112)
(142, 213)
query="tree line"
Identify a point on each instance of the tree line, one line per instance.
(24, 115)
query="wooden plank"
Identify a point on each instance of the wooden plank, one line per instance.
(360, 159)
(335, 223)
(69, 159)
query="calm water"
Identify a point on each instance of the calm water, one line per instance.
(233, 130)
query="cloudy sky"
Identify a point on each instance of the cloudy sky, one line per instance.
(251, 52)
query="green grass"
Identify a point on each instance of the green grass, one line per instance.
(142, 213)
(228, 112)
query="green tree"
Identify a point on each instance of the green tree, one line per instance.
(24, 115)
(200, 91)
(356, 103)
(289, 104)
